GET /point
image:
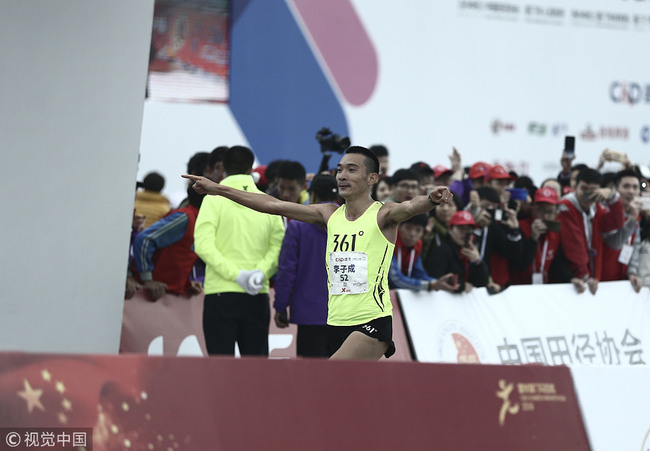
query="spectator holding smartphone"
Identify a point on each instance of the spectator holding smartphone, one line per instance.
(541, 240)
(458, 254)
(618, 244)
(406, 270)
(499, 237)
(585, 216)
(638, 271)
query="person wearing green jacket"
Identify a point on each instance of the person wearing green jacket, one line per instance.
(240, 248)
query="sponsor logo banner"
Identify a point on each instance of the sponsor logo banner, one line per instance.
(549, 325)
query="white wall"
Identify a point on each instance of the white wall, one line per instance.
(72, 83)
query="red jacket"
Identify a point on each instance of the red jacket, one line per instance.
(408, 255)
(173, 264)
(573, 239)
(612, 268)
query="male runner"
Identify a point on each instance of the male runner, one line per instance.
(361, 237)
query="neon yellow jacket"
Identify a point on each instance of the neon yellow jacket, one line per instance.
(230, 237)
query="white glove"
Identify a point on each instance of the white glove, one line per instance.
(256, 280)
(243, 281)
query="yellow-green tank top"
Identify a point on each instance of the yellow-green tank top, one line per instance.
(358, 260)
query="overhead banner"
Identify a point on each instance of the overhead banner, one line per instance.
(541, 324)
(189, 51)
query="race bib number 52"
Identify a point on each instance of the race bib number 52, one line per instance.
(348, 272)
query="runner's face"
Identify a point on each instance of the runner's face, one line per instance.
(352, 175)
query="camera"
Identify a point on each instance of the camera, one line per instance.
(618, 157)
(331, 142)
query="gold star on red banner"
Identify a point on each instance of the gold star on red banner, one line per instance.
(32, 396)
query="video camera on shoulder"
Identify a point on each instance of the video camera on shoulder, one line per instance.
(331, 142)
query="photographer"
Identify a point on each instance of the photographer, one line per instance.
(330, 142)
(499, 237)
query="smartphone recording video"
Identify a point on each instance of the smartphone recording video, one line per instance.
(496, 214)
(552, 226)
(570, 146)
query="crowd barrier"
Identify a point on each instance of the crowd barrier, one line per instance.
(602, 338)
(546, 324)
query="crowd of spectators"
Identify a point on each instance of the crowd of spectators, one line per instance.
(502, 228)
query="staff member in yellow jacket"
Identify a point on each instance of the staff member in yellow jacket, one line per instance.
(361, 236)
(240, 248)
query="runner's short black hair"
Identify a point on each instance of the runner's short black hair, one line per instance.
(371, 160)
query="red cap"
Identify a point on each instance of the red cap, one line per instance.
(478, 170)
(499, 172)
(439, 170)
(548, 195)
(261, 178)
(462, 217)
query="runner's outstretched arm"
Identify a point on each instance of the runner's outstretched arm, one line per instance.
(400, 212)
(314, 214)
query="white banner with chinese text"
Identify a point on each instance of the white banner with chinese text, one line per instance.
(544, 324)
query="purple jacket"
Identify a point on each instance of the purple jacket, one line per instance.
(301, 280)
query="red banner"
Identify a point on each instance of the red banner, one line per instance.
(138, 402)
(189, 51)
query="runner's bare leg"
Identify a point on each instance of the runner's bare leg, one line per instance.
(359, 346)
